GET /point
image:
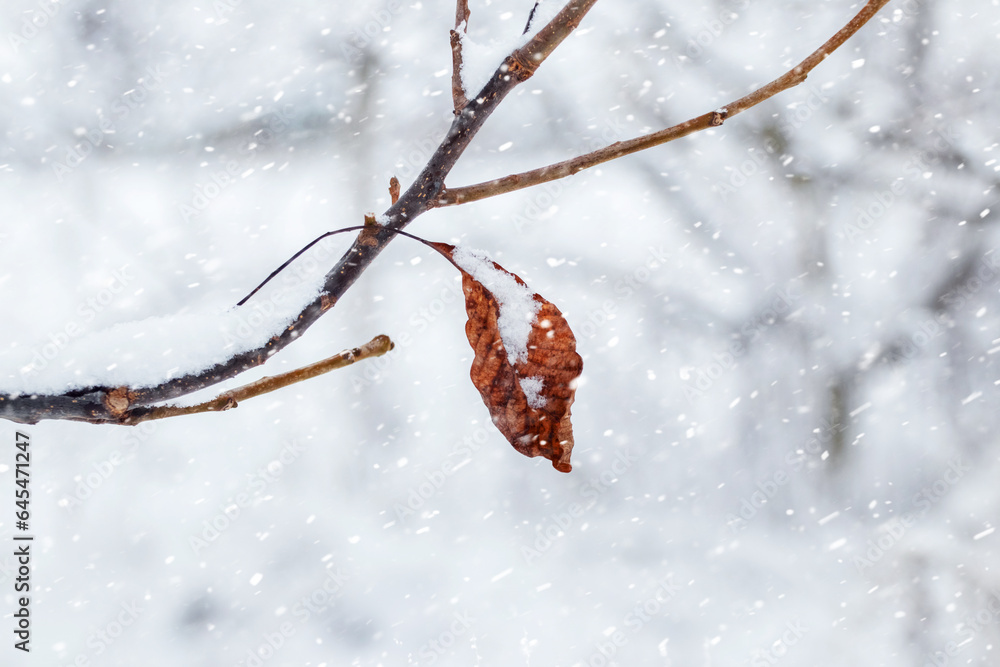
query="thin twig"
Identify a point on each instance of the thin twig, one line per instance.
(376, 347)
(531, 17)
(295, 257)
(461, 21)
(792, 78)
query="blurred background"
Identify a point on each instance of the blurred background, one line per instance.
(786, 443)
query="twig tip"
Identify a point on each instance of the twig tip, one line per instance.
(394, 189)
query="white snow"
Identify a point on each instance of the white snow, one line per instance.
(518, 307)
(532, 388)
(147, 352)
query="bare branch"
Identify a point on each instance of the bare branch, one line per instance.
(112, 404)
(461, 21)
(792, 78)
(123, 405)
(376, 347)
(103, 404)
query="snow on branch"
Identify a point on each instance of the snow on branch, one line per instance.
(143, 354)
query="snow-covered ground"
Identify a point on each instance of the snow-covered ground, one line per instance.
(786, 445)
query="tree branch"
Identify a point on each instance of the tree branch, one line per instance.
(96, 404)
(457, 89)
(376, 347)
(790, 79)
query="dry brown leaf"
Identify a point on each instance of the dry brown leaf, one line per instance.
(526, 365)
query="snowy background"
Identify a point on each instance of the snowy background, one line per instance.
(786, 435)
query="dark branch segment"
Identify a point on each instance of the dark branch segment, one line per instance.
(552, 172)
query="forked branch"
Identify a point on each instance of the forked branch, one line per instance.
(129, 405)
(790, 79)
(98, 404)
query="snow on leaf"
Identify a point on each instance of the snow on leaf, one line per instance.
(526, 365)
(532, 388)
(516, 302)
